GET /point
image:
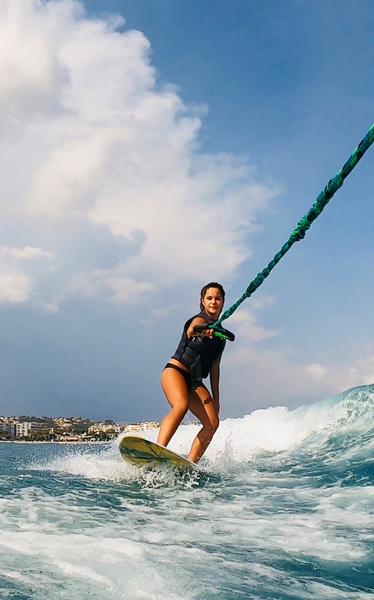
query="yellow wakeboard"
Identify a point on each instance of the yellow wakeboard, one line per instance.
(140, 452)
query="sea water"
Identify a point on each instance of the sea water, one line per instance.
(282, 508)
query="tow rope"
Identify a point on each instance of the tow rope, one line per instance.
(303, 225)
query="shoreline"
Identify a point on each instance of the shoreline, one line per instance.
(53, 442)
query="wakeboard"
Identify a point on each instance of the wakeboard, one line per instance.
(141, 453)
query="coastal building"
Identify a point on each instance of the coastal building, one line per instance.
(141, 426)
(26, 428)
(5, 427)
(67, 428)
(68, 437)
(103, 428)
(63, 423)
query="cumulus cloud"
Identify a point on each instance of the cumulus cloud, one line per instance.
(316, 371)
(100, 144)
(26, 253)
(114, 283)
(258, 375)
(15, 288)
(362, 373)
(31, 74)
(250, 330)
(105, 195)
(16, 283)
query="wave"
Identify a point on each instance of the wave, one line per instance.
(336, 433)
(347, 416)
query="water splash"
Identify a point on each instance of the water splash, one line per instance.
(283, 510)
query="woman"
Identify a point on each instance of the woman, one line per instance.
(181, 380)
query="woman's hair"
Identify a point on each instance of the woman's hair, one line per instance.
(212, 284)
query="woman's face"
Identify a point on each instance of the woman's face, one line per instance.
(212, 302)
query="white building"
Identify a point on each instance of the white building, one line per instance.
(103, 428)
(141, 426)
(25, 428)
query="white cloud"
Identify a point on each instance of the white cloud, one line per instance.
(100, 144)
(16, 283)
(316, 371)
(50, 309)
(30, 73)
(26, 253)
(250, 330)
(261, 301)
(113, 284)
(105, 194)
(15, 288)
(362, 373)
(258, 376)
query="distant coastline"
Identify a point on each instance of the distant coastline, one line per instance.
(69, 430)
(58, 443)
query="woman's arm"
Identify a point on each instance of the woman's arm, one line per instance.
(199, 321)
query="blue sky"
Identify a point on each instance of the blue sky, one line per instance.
(147, 154)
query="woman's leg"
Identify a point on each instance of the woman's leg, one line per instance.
(177, 394)
(206, 410)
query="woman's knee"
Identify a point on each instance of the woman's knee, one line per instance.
(211, 426)
(180, 408)
(214, 423)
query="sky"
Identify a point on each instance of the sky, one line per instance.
(149, 147)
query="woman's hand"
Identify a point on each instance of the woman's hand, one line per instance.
(209, 333)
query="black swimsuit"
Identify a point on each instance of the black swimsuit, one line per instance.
(197, 354)
(185, 374)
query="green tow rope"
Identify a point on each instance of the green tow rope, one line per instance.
(303, 225)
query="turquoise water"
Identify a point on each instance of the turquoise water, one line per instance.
(283, 509)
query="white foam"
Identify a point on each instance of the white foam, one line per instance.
(153, 540)
(275, 429)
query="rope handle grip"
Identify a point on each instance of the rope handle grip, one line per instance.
(221, 333)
